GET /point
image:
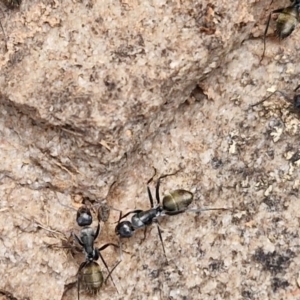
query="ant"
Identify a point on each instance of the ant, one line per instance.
(287, 20)
(295, 101)
(89, 272)
(176, 202)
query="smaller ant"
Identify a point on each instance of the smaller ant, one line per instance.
(89, 272)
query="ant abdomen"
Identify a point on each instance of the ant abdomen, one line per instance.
(177, 200)
(91, 277)
(287, 21)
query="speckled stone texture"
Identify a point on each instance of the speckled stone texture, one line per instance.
(95, 94)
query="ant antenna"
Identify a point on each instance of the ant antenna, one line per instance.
(65, 205)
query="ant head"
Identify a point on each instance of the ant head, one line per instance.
(84, 216)
(125, 229)
(297, 102)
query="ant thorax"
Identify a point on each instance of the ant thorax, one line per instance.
(145, 218)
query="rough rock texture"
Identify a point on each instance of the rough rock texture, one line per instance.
(101, 92)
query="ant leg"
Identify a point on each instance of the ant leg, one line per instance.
(145, 232)
(130, 212)
(264, 39)
(267, 27)
(127, 214)
(149, 191)
(158, 184)
(120, 217)
(157, 191)
(265, 99)
(296, 88)
(152, 176)
(109, 274)
(150, 197)
(78, 277)
(97, 231)
(5, 38)
(78, 239)
(105, 264)
(157, 188)
(106, 245)
(160, 237)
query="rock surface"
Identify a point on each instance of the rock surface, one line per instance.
(95, 94)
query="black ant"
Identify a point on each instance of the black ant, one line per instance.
(287, 20)
(176, 202)
(89, 272)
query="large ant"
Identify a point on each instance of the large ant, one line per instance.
(176, 202)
